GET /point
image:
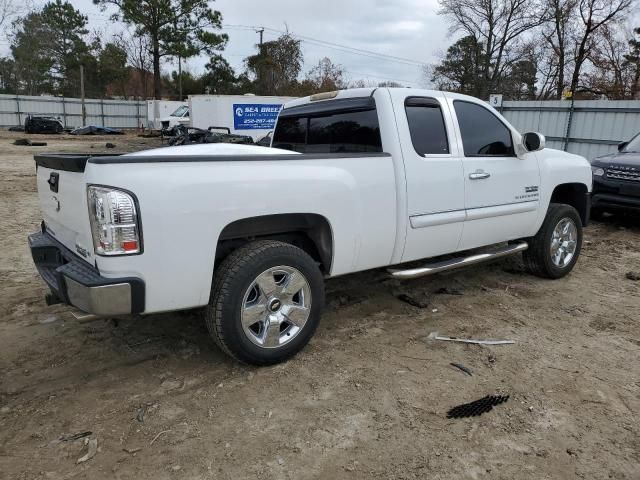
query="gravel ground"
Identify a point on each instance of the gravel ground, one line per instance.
(366, 399)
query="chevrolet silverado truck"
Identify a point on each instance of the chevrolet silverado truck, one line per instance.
(414, 181)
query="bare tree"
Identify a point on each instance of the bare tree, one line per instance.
(326, 76)
(594, 16)
(611, 74)
(547, 73)
(9, 9)
(558, 33)
(498, 26)
(138, 49)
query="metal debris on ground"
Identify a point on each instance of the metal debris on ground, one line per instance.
(635, 276)
(478, 407)
(158, 436)
(25, 142)
(141, 411)
(411, 300)
(92, 448)
(436, 336)
(96, 130)
(183, 135)
(459, 366)
(76, 436)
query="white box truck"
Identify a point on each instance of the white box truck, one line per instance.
(250, 115)
(166, 110)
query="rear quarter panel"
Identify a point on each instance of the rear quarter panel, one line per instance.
(185, 206)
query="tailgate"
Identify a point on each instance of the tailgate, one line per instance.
(63, 201)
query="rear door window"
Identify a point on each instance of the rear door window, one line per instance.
(426, 125)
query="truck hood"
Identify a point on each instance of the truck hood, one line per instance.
(560, 167)
(623, 159)
(211, 149)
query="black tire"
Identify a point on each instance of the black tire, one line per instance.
(538, 258)
(232, 279)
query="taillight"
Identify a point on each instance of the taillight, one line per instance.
(114, 221)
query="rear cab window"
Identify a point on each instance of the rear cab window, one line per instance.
(336, 126)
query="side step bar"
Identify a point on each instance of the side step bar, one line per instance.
(458, 262)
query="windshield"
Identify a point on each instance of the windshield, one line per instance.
(633, 145)
(181, 111)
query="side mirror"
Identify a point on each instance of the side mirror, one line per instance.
(622, 146)
(533, 141)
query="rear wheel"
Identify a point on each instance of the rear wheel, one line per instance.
(266, 302)
(555, 249)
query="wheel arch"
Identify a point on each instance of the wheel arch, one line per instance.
(574, 194)
(309, 231)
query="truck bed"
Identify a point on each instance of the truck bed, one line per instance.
(77, 162)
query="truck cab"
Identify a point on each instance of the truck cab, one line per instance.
(179, 117)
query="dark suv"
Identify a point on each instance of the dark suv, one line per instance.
(616, 179)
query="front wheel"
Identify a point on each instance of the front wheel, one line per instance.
(266, 302)
(555, 249)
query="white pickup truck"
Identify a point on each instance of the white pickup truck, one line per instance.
(355, 180)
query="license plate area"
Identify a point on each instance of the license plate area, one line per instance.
(48, 257)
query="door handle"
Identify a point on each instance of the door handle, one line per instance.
(479, 175)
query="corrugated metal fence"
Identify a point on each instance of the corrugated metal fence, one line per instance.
(108, 113)
(587, 127)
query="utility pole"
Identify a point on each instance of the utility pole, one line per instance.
(179, 77)
(84, 110)
(175, 27)
(260, 31)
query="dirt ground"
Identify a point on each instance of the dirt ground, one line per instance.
(366, 399)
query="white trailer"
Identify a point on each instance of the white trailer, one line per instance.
(242, 114)
(157, 110)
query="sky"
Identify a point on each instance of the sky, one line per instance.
(408, 29)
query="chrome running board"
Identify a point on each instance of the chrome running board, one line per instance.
(458, 262)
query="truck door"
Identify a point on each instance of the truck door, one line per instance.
(434, 175)
(501, 190)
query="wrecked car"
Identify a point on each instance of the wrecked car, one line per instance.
(42, 124)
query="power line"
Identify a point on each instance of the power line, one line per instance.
(363, 74)
(382, 78)
(335, 46)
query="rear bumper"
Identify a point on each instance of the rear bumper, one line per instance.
(75, 282)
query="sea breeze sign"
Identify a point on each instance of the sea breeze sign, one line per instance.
(255, 116)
